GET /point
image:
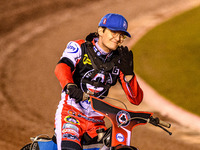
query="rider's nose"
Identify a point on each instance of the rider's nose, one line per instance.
(117, 37)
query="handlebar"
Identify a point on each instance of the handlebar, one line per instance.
(138, 117)
(159, 123)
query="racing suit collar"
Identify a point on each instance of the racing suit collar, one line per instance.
(100, 49)
(100, 52)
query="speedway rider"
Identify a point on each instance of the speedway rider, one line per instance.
(92, 66)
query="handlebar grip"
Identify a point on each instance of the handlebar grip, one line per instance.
(165, 124)
(156, 121)
(159, 123)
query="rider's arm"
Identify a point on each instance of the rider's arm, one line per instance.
(132, 89)
(66, 66)
(64, 74)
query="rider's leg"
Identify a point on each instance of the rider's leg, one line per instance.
(92, 131)
(70, 124)
(67, 127)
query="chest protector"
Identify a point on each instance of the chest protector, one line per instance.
(94, 72)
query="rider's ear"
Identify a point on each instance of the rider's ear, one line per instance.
(100, 31)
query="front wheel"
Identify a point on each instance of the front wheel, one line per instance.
(26, 147)
(125, 148)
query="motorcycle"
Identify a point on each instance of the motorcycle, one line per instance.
(116, 137)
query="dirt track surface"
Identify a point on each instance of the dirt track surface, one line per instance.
(31, 45)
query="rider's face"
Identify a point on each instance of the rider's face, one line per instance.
(110, 40)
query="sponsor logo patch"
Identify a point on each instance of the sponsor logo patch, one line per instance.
(120, 137)
(70, 131)
(115, 70)
(72, 120)
(104, 21)
(70, 126)
(70, 136)
(125, 25)
(86, 60)
(90, 119)
(72, 47)
(99, 77)
(123, 118)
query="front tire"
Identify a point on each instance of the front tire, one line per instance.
(26, 147)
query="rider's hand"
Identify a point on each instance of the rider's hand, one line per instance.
(74, 92)
(125, 63)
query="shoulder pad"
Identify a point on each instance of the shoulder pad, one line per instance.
(80, 41)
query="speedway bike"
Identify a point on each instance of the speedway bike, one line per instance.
(116, 137)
